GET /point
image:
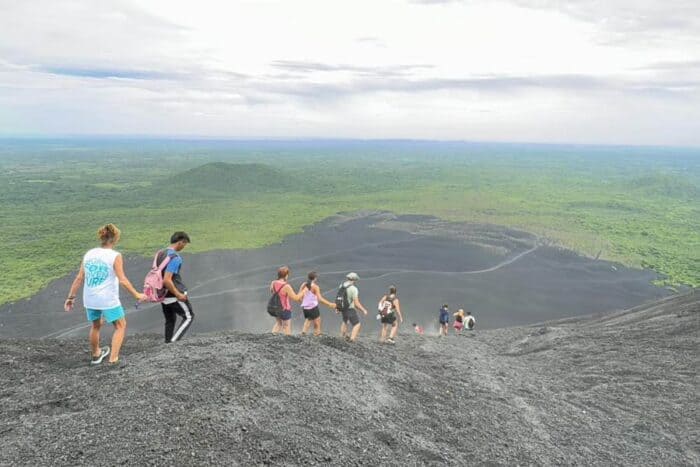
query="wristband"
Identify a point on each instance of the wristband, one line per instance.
(70, 299)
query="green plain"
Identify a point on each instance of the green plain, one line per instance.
(637, 206)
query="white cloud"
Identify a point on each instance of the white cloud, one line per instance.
(579, 71)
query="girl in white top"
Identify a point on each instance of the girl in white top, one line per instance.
(101, 272)
(309, 304)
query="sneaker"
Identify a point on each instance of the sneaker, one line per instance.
(104, 351)
(390, 341)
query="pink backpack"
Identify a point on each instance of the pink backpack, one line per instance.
(153, 284)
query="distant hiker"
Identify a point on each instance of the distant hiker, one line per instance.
(347, 303)
(101, 272)
(176, 303)
(309, 304)
(390, 315)
(279, 306)
(459, 320)
(418, 329)
(469, 321)
(444, 319)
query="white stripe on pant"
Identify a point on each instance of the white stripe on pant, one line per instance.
(185, 324)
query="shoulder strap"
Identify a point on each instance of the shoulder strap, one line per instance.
(155, 259)
(276, 292)
(163, 264)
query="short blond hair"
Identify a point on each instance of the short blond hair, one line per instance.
(109, 233)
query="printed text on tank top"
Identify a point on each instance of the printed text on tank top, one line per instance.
(101, 288)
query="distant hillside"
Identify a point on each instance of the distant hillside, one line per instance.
(220, 178)
(616, 390)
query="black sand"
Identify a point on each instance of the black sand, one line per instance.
(505, 277)
(616, 390)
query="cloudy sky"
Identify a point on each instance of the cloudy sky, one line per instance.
(583, 71)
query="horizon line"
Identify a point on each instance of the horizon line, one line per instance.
(263, 139)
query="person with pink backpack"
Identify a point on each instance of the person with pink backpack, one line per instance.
(164, 285)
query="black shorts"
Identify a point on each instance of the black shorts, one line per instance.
(312, 313)
(389, 319)
(351, 317)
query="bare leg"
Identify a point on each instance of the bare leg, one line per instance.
(382, 336)
(394, 330)
(287, 327)
(317, 327)
(95, 338)
(343, 329)
(278, 325)
(117, 339)
(355, 332)
(307, 325)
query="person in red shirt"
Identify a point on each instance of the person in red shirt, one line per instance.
(283, 322)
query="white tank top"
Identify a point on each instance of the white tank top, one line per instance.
(101, 288)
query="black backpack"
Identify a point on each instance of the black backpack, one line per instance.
(387, 305)
(274, 305)
(341, 299)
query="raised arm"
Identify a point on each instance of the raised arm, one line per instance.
(77, 282)
(302, 288)
(291, 294)
(317, 291)
(124, 281)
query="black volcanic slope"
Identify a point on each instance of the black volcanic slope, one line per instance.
(614, 390)
(506, 277)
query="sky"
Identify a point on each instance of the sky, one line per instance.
(576, 71)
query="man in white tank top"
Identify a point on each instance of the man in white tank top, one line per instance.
(101, 272)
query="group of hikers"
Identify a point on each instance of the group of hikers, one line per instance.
(102, 271)
(347, 303)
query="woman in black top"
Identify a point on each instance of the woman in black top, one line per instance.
(390, 315)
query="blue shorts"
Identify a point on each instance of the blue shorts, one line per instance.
(111, 315)
(286, 315)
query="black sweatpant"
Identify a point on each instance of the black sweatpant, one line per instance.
(171, 311)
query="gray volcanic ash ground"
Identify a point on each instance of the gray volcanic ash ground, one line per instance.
(505, 277)
(614, 390)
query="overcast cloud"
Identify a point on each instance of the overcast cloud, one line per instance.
(621, 71)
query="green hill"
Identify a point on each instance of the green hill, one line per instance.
(222, 179)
